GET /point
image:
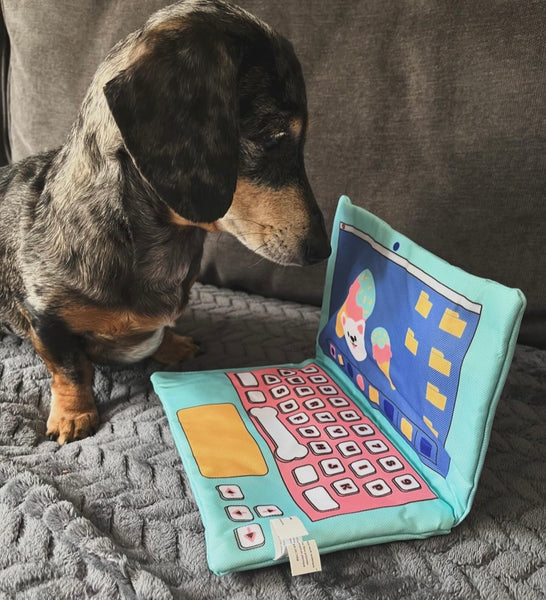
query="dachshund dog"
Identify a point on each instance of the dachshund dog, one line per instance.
(195, 123)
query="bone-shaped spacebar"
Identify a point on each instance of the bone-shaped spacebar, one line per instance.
(288, 447)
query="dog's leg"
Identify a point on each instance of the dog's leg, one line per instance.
(73, 414)
(175, 348)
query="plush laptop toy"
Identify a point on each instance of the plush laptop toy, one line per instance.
(380, 437)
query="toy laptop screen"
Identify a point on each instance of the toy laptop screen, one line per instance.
(381, 435)
(401, 337)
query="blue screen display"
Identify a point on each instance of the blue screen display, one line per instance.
(401, 337)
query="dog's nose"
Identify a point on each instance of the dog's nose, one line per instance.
(316, 250)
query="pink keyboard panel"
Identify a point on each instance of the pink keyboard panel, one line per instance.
(331, 457)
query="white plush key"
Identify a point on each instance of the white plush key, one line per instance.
(320, 499)
(247, 379)
(255, 396)
(305, 474)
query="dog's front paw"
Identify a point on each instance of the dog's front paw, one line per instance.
(175, 348)
(68, 426)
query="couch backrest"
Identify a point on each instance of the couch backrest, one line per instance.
(430, 115)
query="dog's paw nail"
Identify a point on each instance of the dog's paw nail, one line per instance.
(69, 427)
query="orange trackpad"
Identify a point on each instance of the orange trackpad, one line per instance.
(220, 442)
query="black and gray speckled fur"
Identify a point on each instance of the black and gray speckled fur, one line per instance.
(194, 123)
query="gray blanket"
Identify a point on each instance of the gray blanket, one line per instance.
(113, 516)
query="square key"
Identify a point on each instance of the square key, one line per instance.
(310, 369)
(325, 417)
(286, 372)
(377, 488)
(349, 415)
(310, 431)
(271, 379)
(336, 431)
(362, 468)
(318, 379)
(319, 498)
(230, 492)
(288, 406)
(331, 466)
(305, 474)
(390, 463)
(246, 379)
(363, 429)
(320, 447)
(345, 487)
(376, 446)
(299, 418)
(349, 448)
(314, 404)
(295, 380)
(280, 391)
(407, 483)
(304, 390)
(239, 513)
(255, 396)
(249, 536)
(268, 510)
(328, 390)
(338, 402)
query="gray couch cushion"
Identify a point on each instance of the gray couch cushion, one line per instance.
(430, 115)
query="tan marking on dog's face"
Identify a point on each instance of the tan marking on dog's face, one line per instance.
(152, 36)
(272, 223)
(176, 219)
(173, 23)
(296, 127)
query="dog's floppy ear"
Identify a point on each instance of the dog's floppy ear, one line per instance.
(176, 107)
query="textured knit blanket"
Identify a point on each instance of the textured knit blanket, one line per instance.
(113, 516)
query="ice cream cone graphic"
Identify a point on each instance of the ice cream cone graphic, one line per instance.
(381, 350)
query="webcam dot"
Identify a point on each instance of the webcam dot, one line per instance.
(395, 246)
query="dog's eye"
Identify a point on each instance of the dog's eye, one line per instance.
(273, 141)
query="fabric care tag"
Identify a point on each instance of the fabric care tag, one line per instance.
(286, 531)
(288, 535)
(304, 557)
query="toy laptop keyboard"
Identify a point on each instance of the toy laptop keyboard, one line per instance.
(331, 457)
(381, 436)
